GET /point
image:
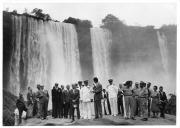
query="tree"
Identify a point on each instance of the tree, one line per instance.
(14, 12)
(39, 13)
(112, 23)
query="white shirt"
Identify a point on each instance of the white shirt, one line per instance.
(86, 94)
(112, 91)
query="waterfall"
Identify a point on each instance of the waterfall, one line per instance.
(164, 54)
(101, 43)
(44, 52)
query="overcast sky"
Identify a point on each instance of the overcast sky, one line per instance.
(143, 14)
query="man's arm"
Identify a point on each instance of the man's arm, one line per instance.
(78, 96)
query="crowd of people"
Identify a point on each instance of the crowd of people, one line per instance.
(92, 101)
(36, 105)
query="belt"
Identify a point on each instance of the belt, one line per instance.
(127, 95)
(142, 97)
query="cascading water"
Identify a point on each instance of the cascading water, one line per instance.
(164, 54)
(101, 40)
(44, 52)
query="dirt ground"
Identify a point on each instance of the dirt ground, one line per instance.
(106, 120)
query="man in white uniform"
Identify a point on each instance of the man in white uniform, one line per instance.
(81, 98)
(112, 91)
(86, 100)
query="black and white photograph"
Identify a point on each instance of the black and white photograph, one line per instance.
(89, 64)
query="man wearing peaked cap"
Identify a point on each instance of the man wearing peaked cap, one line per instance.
(86, 82)
(86, 100)
(143, 95)
(81, 96)
(128, 93)
(110, 80)
(112, 91)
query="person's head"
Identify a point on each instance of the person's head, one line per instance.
(144, 84)
(42, 87)
(56, 85)
(67, 87)
(76, 85)
(20, 95)
(141, 84)
(128, 84)
(137, 85)
(62, 86)
(120, 85)
(155, 88)
(110, 81)
(86, 83)
(148, 85)
(161, 88)
(38, 86)
(80, 83)
(95, 79)
(104, 90)
(73, 86)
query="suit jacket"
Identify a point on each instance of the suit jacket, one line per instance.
(60, 96)
(162, 97)
(97, 92)
(120, 94)
(67, 96)
(74, 95)
(55, 97)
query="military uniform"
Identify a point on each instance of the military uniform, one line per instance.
(113, 91)
(136, 101)
(143, 97)
(128, 103)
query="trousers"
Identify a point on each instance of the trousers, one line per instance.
(73, 109)
(113, 104)
(87, 110)
(98, 108)
(66, 109)
(120, 106)
(104, 106)
(129, 106)
(136, 106)
(144, 107)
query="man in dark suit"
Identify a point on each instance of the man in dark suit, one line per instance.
(60, 103)
(67, 101)
(163, 101)
(74, 101)
(55, 101)
(97, 89)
